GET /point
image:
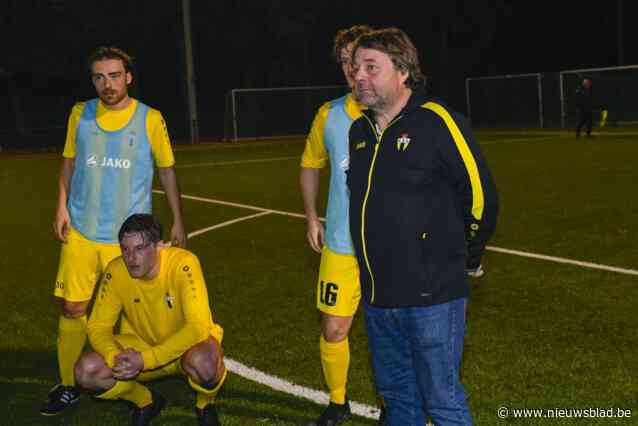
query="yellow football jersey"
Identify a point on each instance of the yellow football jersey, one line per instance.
(171, 312)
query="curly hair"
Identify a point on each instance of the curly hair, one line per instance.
(398, 46)
(346, 36)
(102, 53)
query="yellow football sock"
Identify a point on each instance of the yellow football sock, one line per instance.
(129, 390)
(335, 360)
(71, 340)
(206, 396)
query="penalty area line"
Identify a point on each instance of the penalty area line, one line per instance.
(228, 222)
(241, 206)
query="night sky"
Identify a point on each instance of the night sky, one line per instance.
(240, 44)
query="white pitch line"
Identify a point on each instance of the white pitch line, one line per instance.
(229, 163)
(589, 265)
(583, 264)
(228, 222)
(243, 206)
(282, 385)
(26, 381)
(530, 139)
(521, 132)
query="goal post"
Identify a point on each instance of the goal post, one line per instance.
(505, 100)
(275, 112)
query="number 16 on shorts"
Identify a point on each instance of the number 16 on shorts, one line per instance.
(328, 293)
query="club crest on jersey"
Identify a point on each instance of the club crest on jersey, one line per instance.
(169, 300)
(402, 142)
(344, 164)
(130, 137)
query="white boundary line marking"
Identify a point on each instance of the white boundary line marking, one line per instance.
(318, 397)
(563, 260)
(228, 163)
(26, 381)
(598, 131)
(520, 132)
(242, 206)
(588, 265)
(228, 222)
(530, 139)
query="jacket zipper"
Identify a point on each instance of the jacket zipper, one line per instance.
(379, 137)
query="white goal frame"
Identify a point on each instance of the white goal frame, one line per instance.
(234, 92)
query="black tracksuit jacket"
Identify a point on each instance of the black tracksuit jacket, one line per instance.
(420, 194)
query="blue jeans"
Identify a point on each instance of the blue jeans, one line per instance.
(416, 356)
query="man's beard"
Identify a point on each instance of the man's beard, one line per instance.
(108, 99)
(374, 101)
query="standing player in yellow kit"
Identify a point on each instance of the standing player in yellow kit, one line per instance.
(112, 145)
(338, 288)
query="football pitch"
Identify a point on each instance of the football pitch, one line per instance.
(552, 325)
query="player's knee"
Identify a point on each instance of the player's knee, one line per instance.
(203, 371)
(204, 363)
(335, 331)
(73, 310)
(88, 369)
(194, 359)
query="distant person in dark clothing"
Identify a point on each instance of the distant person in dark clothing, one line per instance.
(584, 106)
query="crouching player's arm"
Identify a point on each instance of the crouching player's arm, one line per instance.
(99, 369)
(104, 316)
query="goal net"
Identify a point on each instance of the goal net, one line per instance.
(274, 112)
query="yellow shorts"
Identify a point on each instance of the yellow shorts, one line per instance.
(131, 340)
(338, 286)
(82, 261)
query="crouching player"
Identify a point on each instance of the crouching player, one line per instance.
(166, 326)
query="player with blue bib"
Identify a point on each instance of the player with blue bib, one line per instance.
(112, 145)
(338, 287)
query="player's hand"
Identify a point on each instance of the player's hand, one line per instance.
(128, 364)
(178, 235)
(315, 235)
(61, 224)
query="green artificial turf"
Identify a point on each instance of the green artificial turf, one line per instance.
(540, 334)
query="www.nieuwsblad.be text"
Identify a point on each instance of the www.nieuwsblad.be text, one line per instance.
(563, 413)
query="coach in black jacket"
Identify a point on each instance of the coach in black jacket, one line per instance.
(420, 194)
